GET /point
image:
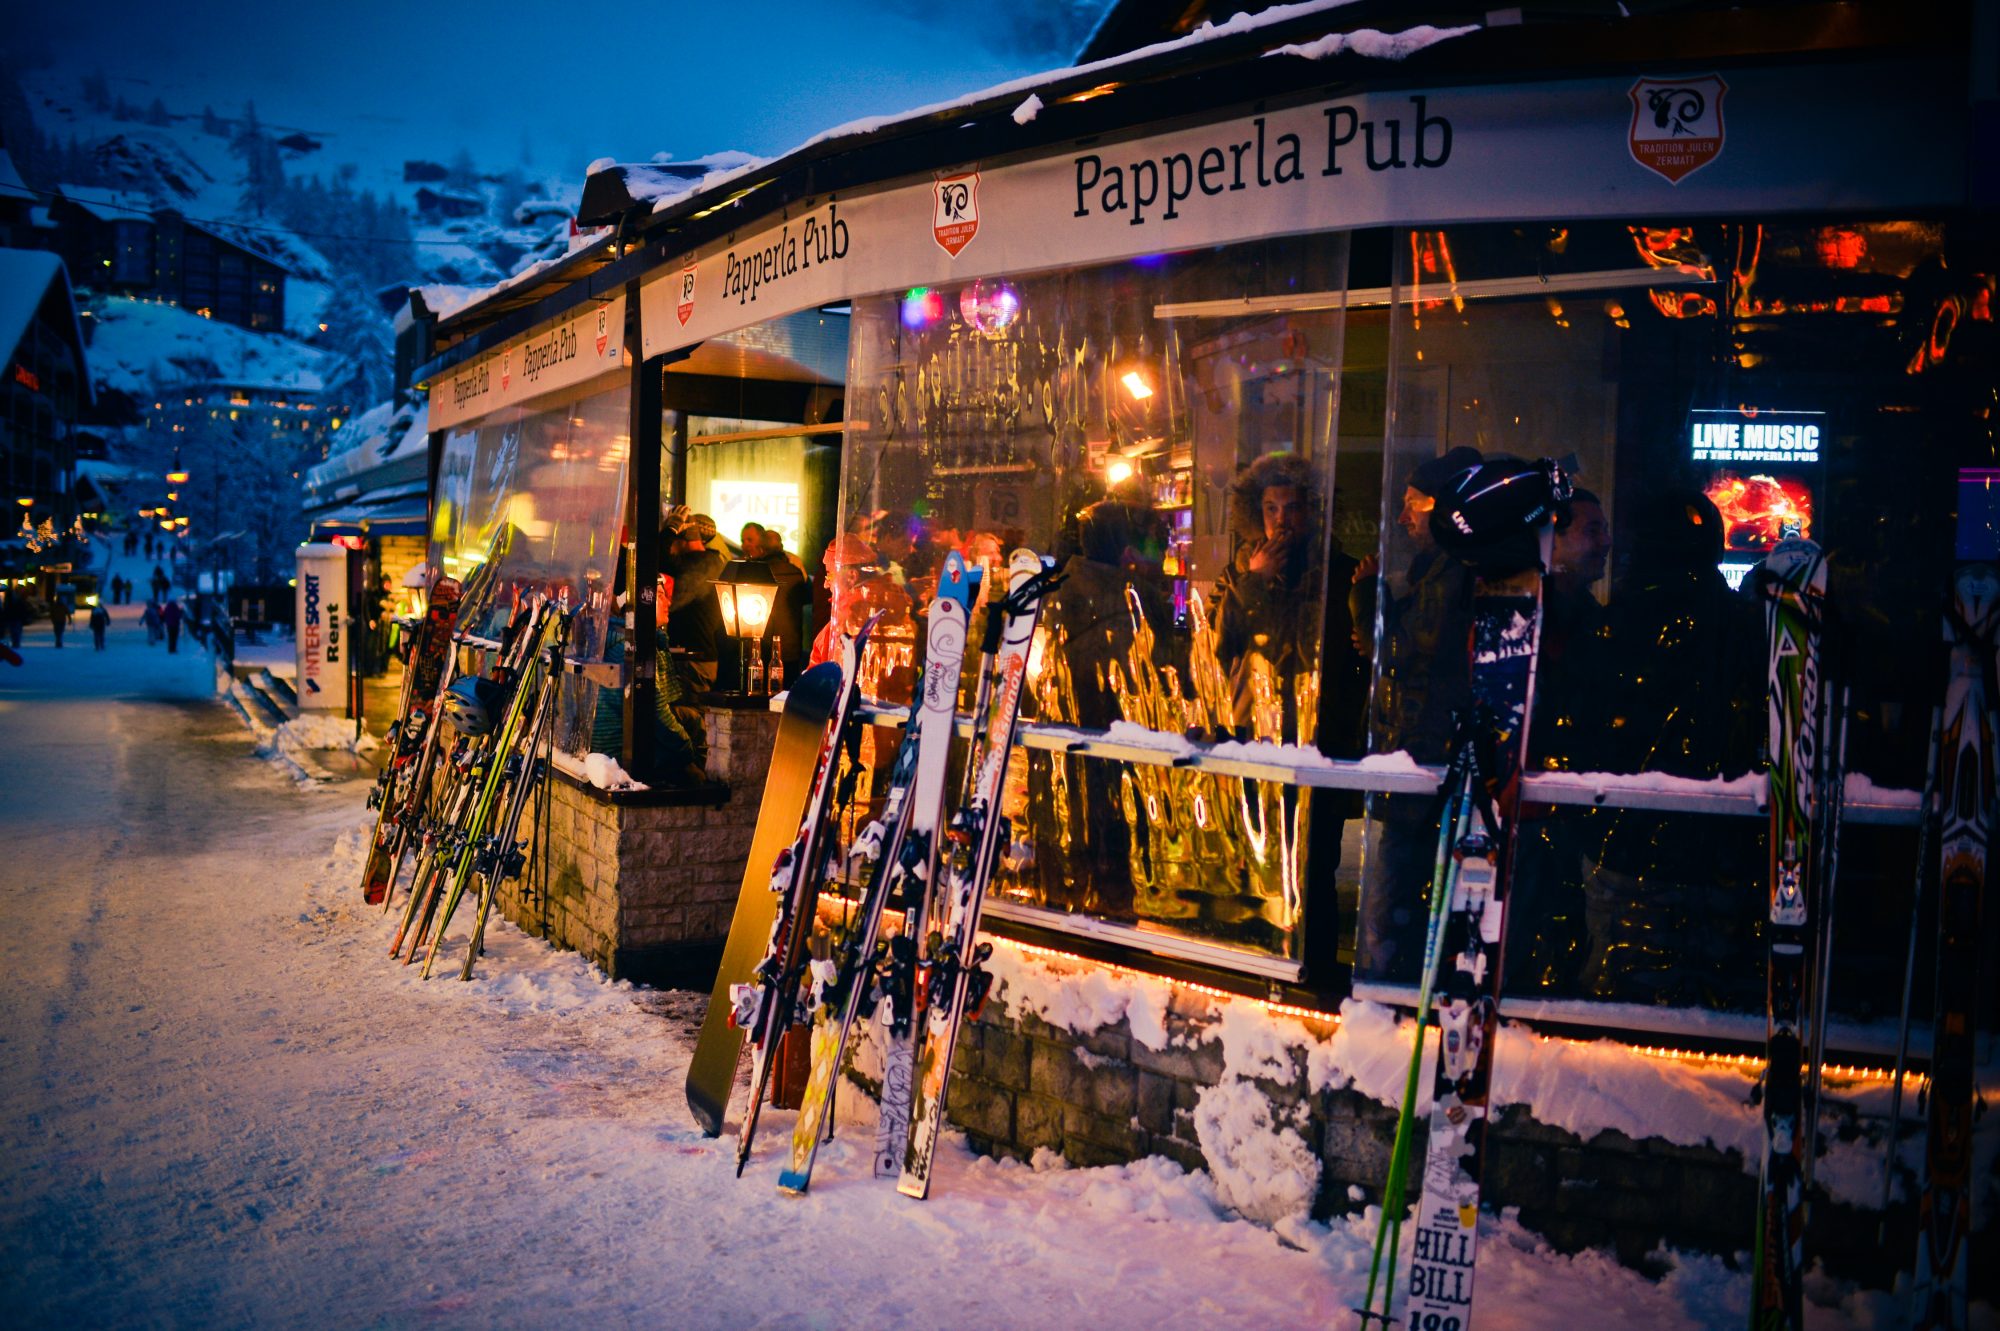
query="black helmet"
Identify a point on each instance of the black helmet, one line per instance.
(1489, 513)
(472, 705)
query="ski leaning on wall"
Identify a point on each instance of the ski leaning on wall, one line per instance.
(768, 1005)
(1792, 581)
(900, 863)
(896, 1015)
(1966, 788)
(408, 741)
(802, 733)
(1497, 517)
(1463, 846)
(952, 980)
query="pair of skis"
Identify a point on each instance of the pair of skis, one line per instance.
(922, 983)
(899, 850)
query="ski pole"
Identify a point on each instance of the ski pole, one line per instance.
(1835, 809)
(1389, 1228)
(1926, 819)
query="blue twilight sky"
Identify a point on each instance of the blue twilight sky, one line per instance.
(560, 84)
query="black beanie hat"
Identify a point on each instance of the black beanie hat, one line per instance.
(1432, 474)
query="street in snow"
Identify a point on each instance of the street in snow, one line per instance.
(221, 1105)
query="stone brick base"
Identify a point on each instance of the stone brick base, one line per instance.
(1021, 1085)
(644, 883)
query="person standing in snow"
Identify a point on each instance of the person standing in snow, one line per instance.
(171, 618)
(151, 619)
(59, 618)
(100, 620)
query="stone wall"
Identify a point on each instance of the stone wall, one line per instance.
(1101, 1096)
(644, 883)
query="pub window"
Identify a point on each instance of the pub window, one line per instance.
(540, 491)
(1168, 431)
(1714, 386)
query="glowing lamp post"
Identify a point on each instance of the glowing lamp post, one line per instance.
(747, 592)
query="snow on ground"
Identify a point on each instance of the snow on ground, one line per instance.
(222, 1104)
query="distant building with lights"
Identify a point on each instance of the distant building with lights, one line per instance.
(46, 385)
(120, 243)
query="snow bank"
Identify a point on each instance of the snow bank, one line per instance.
(1083, 998)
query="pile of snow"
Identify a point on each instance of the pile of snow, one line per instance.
(324, 732)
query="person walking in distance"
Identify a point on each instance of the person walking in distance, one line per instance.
(100, 620)
(17, 616)
(171, 617)
(151, 619)
(161, 585)
(59, 617)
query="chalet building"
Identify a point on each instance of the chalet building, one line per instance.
(121, 243)
(45, 385)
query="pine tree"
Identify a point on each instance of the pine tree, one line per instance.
(97, 91)
(156, 114)
(212, 123)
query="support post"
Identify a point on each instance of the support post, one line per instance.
(643, 571)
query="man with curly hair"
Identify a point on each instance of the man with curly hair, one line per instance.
(1270, 602)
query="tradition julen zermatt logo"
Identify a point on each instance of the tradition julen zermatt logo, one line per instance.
(684, 309)
(1677, 124)
(955, 211)
(603, 329)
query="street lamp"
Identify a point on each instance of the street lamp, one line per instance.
(747, 592)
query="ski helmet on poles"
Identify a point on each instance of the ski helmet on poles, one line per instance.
(1488, 512)
(472, 704)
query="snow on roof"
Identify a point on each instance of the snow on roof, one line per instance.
(142, 347)
(664, 181)
(25, 279)
(108, 205)
(386, 433)
(1364, 42)
(1373, 44)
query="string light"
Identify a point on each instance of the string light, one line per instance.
(1745, 1062)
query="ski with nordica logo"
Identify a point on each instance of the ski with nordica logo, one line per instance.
(1938, 1297)
(768, 1006)
(1792, 581)
(1501, 511)
(899, 856)
(951, 978)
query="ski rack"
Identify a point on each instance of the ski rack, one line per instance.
(1739, 797)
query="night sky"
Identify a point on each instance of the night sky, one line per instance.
(554, 86)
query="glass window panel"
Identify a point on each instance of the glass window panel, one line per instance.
(543, 492)
(1169, 431)
(1716, 386)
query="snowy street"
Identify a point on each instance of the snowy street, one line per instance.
(221, 1105)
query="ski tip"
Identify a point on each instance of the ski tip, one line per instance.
(793, 1183)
